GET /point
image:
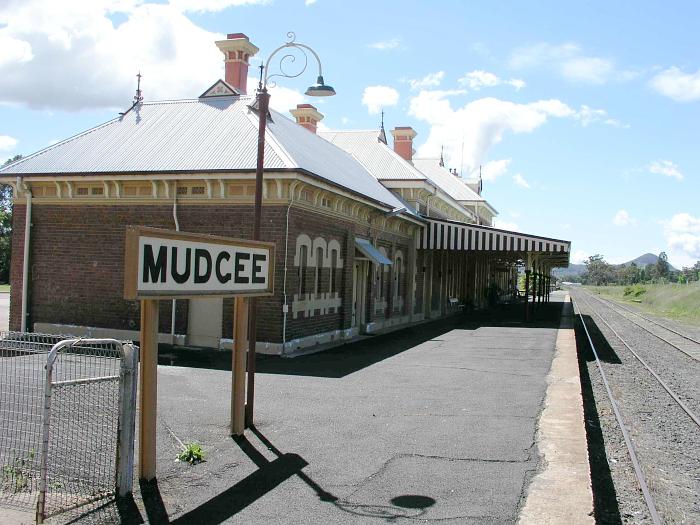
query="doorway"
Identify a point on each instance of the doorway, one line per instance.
(359, 292)
(205, 322)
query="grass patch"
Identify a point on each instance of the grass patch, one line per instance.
(680, 302)
(4, 288)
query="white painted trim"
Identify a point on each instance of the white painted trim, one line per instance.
(104, 333)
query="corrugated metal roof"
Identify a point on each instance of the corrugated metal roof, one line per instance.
(377, 157)
(450, 184)
(200, 135)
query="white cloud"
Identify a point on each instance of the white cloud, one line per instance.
(385, 45)
(493, 169)
(682, 234)
(622, 218)
(377, 97)
(588, 115)
(14, 51)
(569, 61)
(591, 70)
(468, 132)
(309, 2)
(217, 5)
(520, 181)
(579, 257)
(675, 84)
(430, 80)
(81, 60)
(667, 168)
(505, 225)
(7, 143)
(478, 79)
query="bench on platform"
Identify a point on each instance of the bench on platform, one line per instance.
(454, 301)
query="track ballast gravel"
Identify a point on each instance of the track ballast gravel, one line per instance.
(667, 441)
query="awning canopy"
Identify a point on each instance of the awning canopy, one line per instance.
(369, 251)
(439, 234)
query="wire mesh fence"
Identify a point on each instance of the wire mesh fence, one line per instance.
(22, 362)
(67, 411)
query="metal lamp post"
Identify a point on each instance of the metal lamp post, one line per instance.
(320, 89)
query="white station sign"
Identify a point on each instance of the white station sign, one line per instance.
(163, 264)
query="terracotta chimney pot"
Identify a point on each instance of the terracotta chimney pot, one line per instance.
(403, 141)
(307, 116)
(237, 51)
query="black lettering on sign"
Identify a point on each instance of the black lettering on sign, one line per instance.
(154, 270)
(184, 276)
(238, 268)
(222, 277)
(199, 255)
(257, 258)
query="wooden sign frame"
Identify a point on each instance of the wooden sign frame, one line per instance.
(148, 375)
(131, 263)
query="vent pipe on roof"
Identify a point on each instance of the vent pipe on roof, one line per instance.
(307, 116)
(403, 141)
(237, 51)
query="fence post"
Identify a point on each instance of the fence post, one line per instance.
(46, 420)
(128, 374)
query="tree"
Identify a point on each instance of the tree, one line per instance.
(6, 226)
(598, 272)
(662, 269)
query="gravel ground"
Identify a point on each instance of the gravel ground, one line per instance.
(665, 438)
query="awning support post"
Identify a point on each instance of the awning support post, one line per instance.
(527, 295)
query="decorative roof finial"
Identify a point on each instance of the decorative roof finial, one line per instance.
(442, 158)
(382, 133)
(138, 98)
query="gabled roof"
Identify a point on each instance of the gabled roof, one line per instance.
(455, 187)
(202, 135)
(220, 88)
(451, 184)
(379, 159)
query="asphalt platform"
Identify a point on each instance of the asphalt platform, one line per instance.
(437, 422)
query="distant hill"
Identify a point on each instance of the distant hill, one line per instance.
(573, 269)
(578, 269)
(646, 259)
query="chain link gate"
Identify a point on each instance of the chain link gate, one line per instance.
(68, 414)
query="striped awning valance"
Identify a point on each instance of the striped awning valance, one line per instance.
(447, 235)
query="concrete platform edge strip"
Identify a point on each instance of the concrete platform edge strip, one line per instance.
(561, 492)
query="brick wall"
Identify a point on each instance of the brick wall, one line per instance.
(77, 257)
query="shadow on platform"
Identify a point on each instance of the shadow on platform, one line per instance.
(349, 358)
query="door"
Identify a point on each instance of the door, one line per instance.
(204, 322)
(359, 287)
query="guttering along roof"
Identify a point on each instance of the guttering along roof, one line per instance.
(442, 234)
(200, 135)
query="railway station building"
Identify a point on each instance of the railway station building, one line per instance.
(367, 237)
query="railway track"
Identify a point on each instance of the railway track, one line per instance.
(689, 345)
(654, 476)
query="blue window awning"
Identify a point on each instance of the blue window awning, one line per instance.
(369, 251)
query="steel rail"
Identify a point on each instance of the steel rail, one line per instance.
(668, 389)
(608, 303)
(650, 320)
(648, 499)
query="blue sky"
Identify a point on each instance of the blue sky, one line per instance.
(584, 118)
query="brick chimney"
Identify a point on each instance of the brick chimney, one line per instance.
(403, 141)
(307, 115)
(237, 50)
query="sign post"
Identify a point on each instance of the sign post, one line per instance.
(163, 264)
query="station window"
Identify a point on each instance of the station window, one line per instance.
(333, 286)
(303, 255)
(319, 266)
